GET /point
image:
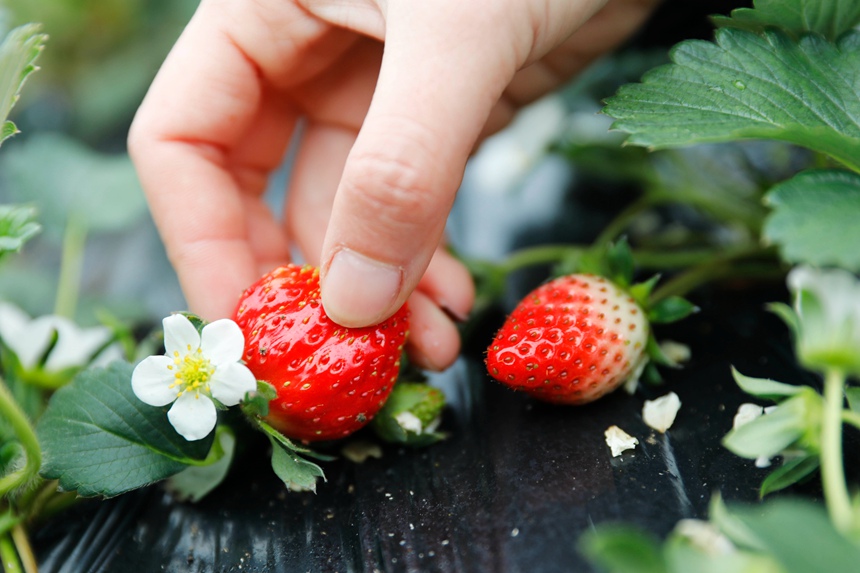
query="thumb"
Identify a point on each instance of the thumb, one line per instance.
(440, 77)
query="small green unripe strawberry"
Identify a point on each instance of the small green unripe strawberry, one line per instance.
(411, 415)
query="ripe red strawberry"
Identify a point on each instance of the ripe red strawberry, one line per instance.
(330, 380)
(570, 341)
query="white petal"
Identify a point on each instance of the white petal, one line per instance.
(151, 381)
(231, 382)
(112, 353)
(193, 416)
(660, 413)
(31, 342)
(75, 346)
(12, 321)
(222, 342)
(180, 335)
(618, 440)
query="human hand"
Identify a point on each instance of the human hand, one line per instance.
(383, 149)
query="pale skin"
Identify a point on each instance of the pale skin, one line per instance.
(395, 94)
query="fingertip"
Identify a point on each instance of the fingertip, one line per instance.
(357, 290)
(434, 342)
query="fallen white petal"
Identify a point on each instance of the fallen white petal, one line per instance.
(618, 440)
(193, 416)
(660, 413)
(179, 335)
(222, 342)
(409, 422)
(151, 380)
(747, 412)
(358, 451)
(231, 382)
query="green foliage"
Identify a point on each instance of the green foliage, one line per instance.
(792, 471)
(749, 85)
(670, 309)
(63, 179)
(814, 219)
(765, 388)
(17, 226)
(195, 482)
(99, 439)
(422, 404)
(623, 549)
(830, 18)
(793, 420)
(297, 473)
(18, 53)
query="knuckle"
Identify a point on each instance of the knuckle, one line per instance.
(399, 192)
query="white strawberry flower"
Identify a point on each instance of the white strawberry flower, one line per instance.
(30, 338)
(195, 369)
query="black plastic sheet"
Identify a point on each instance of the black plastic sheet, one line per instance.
(511, 490)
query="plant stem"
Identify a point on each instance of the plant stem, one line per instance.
(69, 283)
(852, 418)
(11, 563)
(623, 219)
(25, 550)
(26, 436)
(832, 471)
(721, 266)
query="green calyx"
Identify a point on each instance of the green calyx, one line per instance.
(410, 415)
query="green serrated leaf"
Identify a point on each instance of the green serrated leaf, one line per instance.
(18, 52)
(748, 85)
(772, 433)
(622, 549)
(100, 439)
(17, 226)
(765, 388)
(195, 482)
(297, 473)
(789, 473)
(671, 309)
(830, 18)
(814, 218)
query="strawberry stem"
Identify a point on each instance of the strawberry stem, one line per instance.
(26, 436)
(832, 469)
(720, 267)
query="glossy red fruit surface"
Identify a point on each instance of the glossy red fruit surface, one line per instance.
(330, 380)
(570, 341)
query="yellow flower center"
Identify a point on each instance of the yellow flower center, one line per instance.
(193, 372)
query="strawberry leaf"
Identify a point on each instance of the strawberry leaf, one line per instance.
(18, 54)
(297, 473)
(98, 438)
(763, 388)
(830, 18)
(16, 227)
(789, 473)
(746, 86)
(619, 263)
(814, 218)
(770, 434)
(623, 549)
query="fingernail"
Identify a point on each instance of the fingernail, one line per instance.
(359, 291)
